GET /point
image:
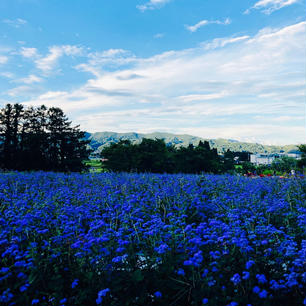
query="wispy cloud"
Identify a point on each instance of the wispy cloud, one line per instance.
(7, 74)
(217, 89)
(269, 6)
(3, 59)
(159, 35)
(30, 79)
(16, 23)
(47, 63)
(111, 59)
(152, 5)
(202, 23)
(23, 90)
(29, 52)
(222, 42)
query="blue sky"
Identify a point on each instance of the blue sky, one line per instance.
(215, 69)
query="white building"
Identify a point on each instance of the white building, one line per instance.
(263, 159)
(267, 159)
(295, 154)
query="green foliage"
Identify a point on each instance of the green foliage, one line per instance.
(245, 167)
(120, 156)
(94, 166)
(284, 164)
(229, 160)
(40, 139)
(156, 157)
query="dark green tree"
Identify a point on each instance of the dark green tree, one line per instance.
(67, 147)
(120, 157)
(34, 139)
(40, 139)
(152, 156)
(10, 123)
(156, 157)
(228, 160)
(284, 164)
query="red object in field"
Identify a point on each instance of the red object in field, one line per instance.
(261, 175)
(269, 174)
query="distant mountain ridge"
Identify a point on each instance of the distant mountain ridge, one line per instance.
(99, 140)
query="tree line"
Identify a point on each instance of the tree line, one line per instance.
(157, 157)
(40, 138)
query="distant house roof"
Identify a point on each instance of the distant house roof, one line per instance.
(294, 152)
(263, 155)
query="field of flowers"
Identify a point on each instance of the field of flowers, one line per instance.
(136, 240)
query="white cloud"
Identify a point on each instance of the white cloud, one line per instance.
(16, 23)
(23, 90)
(109, 59)
(53, 94)
(159, 35)
(221, 42)
(269, 6)
(30, 79)
(203, 97)
(29, 52)
(3, 59)
(152, 5)
(261, 133)
(217, 89)
(47, 63)
(7, 74)
(204, 22)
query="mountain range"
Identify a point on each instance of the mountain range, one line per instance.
(99, 140)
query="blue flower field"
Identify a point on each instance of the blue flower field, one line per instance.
(144, 239)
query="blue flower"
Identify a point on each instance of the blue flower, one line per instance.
(4, 270)
(261, 278)
(245, 275)
(163, 248)
(102, 294)
(205, 301)
(181, 271)
(24, 287)
(158, 294)
(256, 289)
(205, 272)
(187, 263)
(236, 279)
(249, 264)
(74, 283)
(263, 294)
(35, 301)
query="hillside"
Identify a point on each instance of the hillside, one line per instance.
(102, 139)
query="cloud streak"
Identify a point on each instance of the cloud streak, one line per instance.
(3, 59)
(269, 6)
(30, 79)
(16, 23)
(204, 22)
(152, 5)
